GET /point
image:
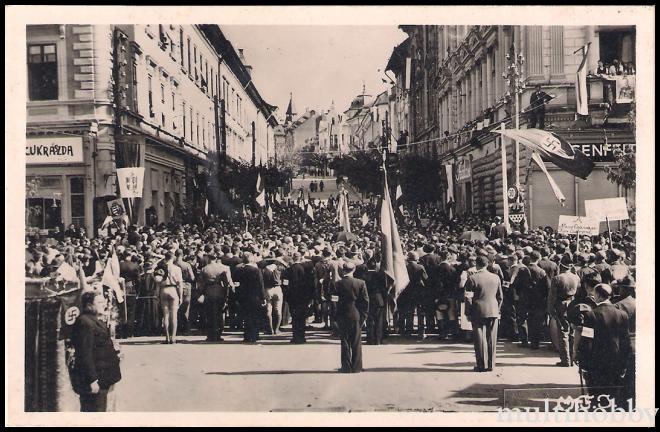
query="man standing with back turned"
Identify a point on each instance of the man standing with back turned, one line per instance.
(352, 309)
(483, 293)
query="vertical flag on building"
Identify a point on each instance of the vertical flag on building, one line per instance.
(206, 207)
(392, 254)
(111, 277)
(581, 83)
(555, 188)
(342, 209)
(261, 192)
(450, 187)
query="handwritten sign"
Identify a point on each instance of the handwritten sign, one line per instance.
(51, 150)
(613, 209)
(580, 225)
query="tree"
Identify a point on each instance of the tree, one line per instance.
(623, 171)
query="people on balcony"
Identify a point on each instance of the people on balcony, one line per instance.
(537, 107)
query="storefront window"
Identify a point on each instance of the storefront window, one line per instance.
(77, 185)
(44, 213)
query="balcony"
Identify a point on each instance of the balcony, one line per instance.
(610, 98)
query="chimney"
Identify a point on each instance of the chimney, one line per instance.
(241, 57)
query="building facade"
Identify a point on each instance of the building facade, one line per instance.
(458, 97)
(152, 96)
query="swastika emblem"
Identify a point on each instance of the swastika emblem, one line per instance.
(71, 314)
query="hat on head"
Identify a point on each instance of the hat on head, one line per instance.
(566, 261)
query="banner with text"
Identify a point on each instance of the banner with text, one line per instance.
(580, 225)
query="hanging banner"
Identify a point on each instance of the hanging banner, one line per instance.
(580, 225)
(116, 208)
(613, 209)
(463, 170)
(131, 182)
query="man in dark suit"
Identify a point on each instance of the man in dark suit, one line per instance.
(483, 295)
(252, 297)
(537, 103)
(519, 279)
(299, 294)
(627, 304)
(499, 230)
(607, 360)
(352, 310)
(447, 301)
(431, 262)
(550, 267)
(129, 269)
(377, 289)
(418, 287)
(535, 297)
(215, 283)
(563, 288)
(96, 366)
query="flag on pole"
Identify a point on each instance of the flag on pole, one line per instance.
(261, 192)
(581, 83)
(365, 219)
(555, 188)
(206, 207)
(111, 277)
(278, 199)
(107, 221)
(392, 254)
(342, 209)
(269, 214)
(554, 148)
(310, 211)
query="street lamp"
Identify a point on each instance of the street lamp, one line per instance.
(513, 75)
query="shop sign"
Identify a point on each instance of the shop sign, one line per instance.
(601, 152)
(53, 150)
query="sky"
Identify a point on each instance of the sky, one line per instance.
(318, 64)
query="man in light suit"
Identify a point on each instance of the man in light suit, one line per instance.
(483, 296)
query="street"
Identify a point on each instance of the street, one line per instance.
(402, 375)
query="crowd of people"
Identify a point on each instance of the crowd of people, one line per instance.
(216, 275)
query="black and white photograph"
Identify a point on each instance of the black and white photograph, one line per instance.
(316, 215)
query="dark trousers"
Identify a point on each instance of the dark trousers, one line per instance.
(375, 322)
(215, 317)
(509, 324)
(484, 332)
(127, 328)
(530, 324)
(604, 381)
(425, 318)
(350, 335)
(251, 316)
(537, 117)
(94, 402)
(298, 322)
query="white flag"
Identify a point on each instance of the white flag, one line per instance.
(111, 277)
(131, 182)
(555, 188)
(581, 96)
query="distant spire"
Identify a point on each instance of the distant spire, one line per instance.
(290, 112)
(364, 88)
